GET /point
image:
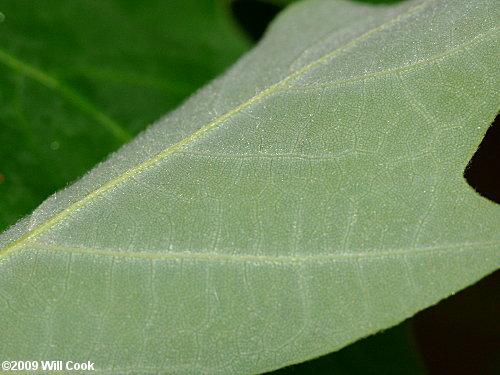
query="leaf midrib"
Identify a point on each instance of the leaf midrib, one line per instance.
(43, 227)
(264, 258)
(74, 97)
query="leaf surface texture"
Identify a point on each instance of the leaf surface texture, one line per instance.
(311, 196)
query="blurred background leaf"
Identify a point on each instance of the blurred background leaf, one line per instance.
(81, 77)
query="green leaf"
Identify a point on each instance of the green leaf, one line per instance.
(309, 197)
(78, 78)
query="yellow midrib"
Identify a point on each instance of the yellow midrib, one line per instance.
(43, 227)
(263, 258)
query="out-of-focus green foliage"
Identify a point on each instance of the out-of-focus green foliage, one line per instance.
(79, 78)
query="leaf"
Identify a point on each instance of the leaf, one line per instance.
(77, 78)
(311, 196)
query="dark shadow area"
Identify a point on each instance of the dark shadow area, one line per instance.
(380, 1)
(483, 170)
(391, 352)
(254, 16)
(461, 335)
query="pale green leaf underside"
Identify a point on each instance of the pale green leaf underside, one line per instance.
(309, 197)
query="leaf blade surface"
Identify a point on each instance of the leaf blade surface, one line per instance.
(311, 196)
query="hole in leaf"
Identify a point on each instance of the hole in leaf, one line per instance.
(254, 16)
(483, 170)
